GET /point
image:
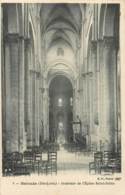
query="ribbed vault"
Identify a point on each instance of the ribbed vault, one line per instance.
(61, 27)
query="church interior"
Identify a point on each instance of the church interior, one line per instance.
(60, 88)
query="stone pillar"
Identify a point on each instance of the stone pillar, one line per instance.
(83, 101)
(47, 121)
(27, 93)
(21, 96)
(12, 92)
(109, 94)
(86, 107)
(95, 107)
(88, 111)
(90, 107)
(41, 130)
(33, 106)
(31, 129)
(95, 89)
(37, 75)
(46, 115)
(100, 93)
(36, 104)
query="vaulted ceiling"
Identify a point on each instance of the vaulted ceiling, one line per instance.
(61, 27)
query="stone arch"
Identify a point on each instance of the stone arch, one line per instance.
(101, 21)
(60, 88)
(61, 73)
(69, 72)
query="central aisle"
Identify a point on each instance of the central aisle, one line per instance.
(68, 162)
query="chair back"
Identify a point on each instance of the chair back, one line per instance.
(28, 156)
(38, 156)
(107, 156)
(16, 157)
(98, 157)
(52, 156)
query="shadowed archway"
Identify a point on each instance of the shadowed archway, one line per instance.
(60, 110)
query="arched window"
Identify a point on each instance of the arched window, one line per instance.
(60, 102)
(71, 101)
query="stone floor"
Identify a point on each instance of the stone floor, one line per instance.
(77, 162)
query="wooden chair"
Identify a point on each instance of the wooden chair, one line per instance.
(28, 160)
(14, 165)
(19, 167)
(43, 162)
(7, 165)
(96, 165)
(37, 161)
(52, 162)
(111, 162)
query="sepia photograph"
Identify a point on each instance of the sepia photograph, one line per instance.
(60, 75)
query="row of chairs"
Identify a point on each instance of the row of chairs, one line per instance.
(16, 163)
(46, 146)
(46, 162)
(105, 162)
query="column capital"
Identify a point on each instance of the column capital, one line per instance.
(27, 41)
(109, 42)
(87, 74)
(84, 74)
(94, 45)
(38, 75)
(32, 71)
(13, 37)
(100, 42)
(42, 89)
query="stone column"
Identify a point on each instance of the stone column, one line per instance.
(31, 129)
(99, 78)
(74, 101)
(33, 107)
(95, 89)
(41, 110)
(88, 111)
(109, 94)
(21, 95)
(47, 121)
(27, 92)
(45, 114)
(86, 107)
(95, 107)
(83, 101)
(84, 97)
(118, 131)
(36, 104)
(12, 92)
(90, 107)
(37, 109)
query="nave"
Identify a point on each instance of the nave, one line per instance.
(60, 87)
